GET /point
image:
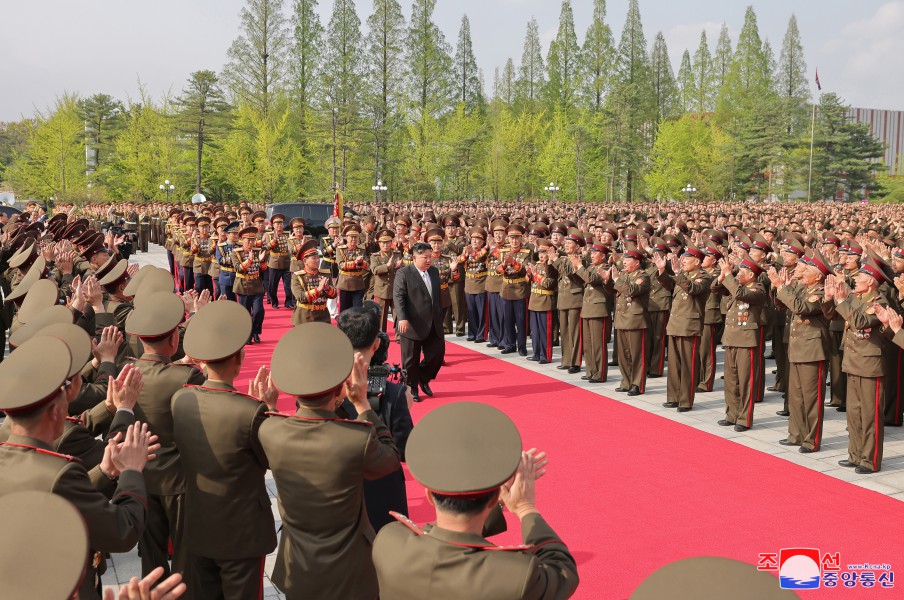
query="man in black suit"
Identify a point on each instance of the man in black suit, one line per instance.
(416, 299)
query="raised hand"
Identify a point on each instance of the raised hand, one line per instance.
(106, 349)
(262, 388)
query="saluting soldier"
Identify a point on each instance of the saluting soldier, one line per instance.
(320, 462)
(542, 305)
(863, 364)
(156, 323)
(474, 259)
(384, 264)
(451, 558)
(229, 526)
(746, 298)
(311, 288)
(632, 321)
(809, 336)
(277, 242)
(515, 291)
(249, 263)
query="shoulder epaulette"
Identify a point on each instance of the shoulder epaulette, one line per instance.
(42, 451)
(211, 389)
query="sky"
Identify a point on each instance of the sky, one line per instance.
(51, 47)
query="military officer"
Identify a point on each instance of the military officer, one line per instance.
(595, 316)
(569, 299)
(454, 246)
(383, 265)
(277, 241)
(863, 364)
(249, 263)
(34, 400)
(203, 248)
(632, 286)
(311, 288)
(229, 526)
(353, 263)
(224, 257)
(659, 304)
(746, 298)
(447, 265)
(542, 304)
(187, 262)
(515, 291)
(144, 228)
(809, 335)
(712, 322)
(474, 259)
(690, 288)
(156, 323)
(319, 463)
(493, 284)
(451, 558)
(295, 242)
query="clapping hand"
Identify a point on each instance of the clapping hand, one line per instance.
(725, 267)
(168, 589)
(105, 349)
(262, 388)
(660, 261)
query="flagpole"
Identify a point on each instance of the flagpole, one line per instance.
(812, 138)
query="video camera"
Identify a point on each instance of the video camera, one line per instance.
(379, 372)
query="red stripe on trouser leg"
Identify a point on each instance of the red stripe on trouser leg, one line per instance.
(760, 384)
(897, 418)
(712, 357)
(751, 395)
(604, 366)
(643, 360)
(260, 592)
(665, 324)
(526, 322)
(486, 318)
(549, 336)
(878, 423)
(693, 383)
(820, 395)
(580, 340)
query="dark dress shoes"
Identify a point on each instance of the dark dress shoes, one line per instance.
(785, 442)
(684, 408)
(416, 398)
(562, 367)
(257, 338)
(670, 404)
(783, 413)
(621, 389)
(724, 423)
(805, 450)
(542, 361)
(594, 380)
(634, 391)
(425, 387)
(508, 351)
(585, 377)
(522, 352)
(741, 428)
(846, 463)
(492, 345)
(863, 470)
(573, 370)
(532, 358)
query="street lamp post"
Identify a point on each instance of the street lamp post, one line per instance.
(689, 189)
(552, 189)
(377, 189)
(167, 187)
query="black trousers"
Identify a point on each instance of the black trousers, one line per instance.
(423, 370)
(494, 318)
(188, 278)
(514, 325)
(277, 275)
(349, 299)
(232, 579)
(255, 306)
(477, 316)
(203, 282)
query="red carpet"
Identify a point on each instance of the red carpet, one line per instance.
(629, 491)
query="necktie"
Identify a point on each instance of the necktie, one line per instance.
(426, 279)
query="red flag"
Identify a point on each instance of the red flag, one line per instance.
(818, 86)
(337, 204)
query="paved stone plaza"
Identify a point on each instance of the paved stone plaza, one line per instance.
(768, 429)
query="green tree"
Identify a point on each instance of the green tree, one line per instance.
(704, 74)
(53, 163)
(791, 80)
(687, 87)
(750, 76)
(596, 59)
(664, 88)
(258, 57)
(467, 84)
(562, 62)
(506, 84)
(305, 61)
(14, 136)
(103, 118)
(384, 61)
(721, 63)
(631, 104)
(428, 61)
(202, 114)
(557, 158)
(687, 150)
(531, 73)
(342, 78)
(461, 153)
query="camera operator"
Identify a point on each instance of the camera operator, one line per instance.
(118, 238)
(390, 399)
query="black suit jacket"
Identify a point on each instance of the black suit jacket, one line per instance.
(412, 303)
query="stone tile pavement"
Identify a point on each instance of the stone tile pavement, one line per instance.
(708, 408)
